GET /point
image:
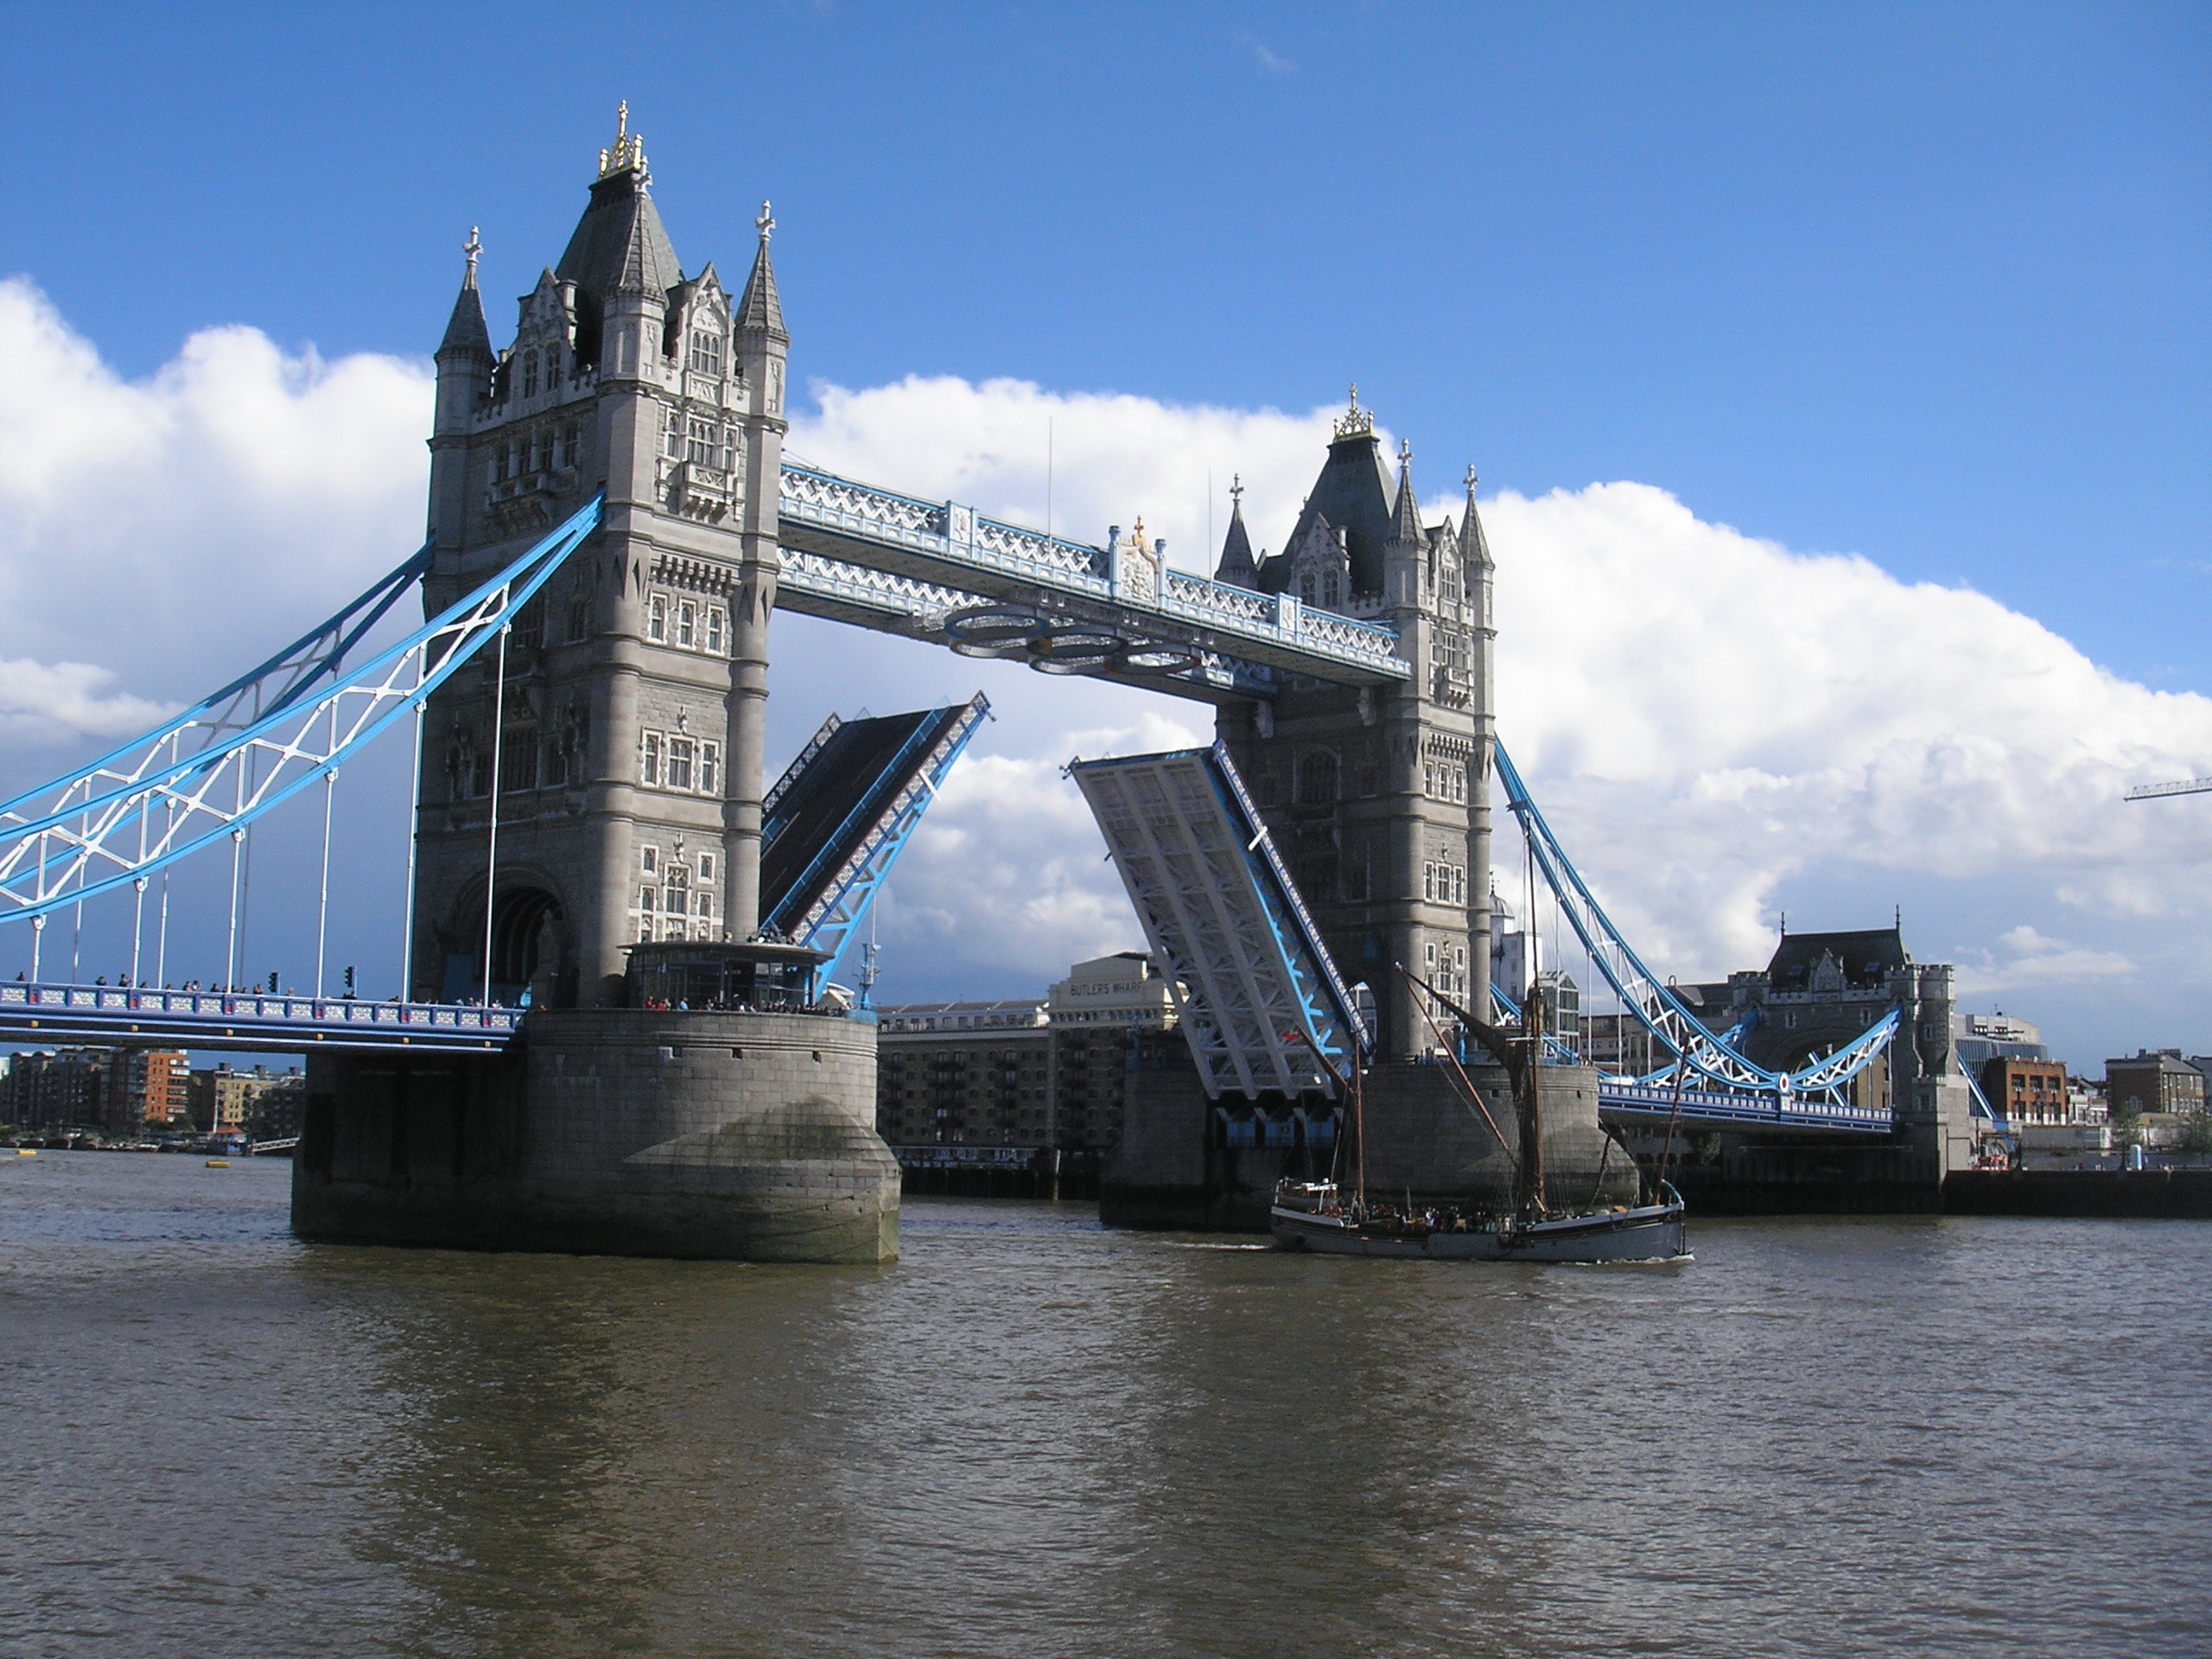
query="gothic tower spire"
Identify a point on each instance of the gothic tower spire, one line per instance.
(1237, 568)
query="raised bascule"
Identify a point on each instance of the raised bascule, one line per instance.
(620, 1030)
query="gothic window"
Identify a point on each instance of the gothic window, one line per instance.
(514, 458)
(552, 367)
(555, 770)
(648, 859)
(518, 761)
(571, 451)
(705, 351)
(530, 374)
(579, 619)
(480, 774)
(672, 441)
(715, 629)
(646, 897)
(649, 759)
(1331, 595)
(1317, 778)
(1306, 586)
(705, 443)
(530, 627)
(687, 623)
(656, 617)
(644, 930)
(1428, 879)
(680, 751)
(709, 763)
(707, 859)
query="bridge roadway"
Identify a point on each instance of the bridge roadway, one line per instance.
(244, 1021)
(876, 559)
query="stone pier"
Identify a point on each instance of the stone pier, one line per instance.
(615, 1131)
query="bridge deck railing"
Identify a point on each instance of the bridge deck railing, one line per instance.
(258, 1006)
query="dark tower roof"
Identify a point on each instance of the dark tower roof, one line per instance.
(1354, 492)
(1867, 957)
(758, 308)
(619, 246)
(1237, 568)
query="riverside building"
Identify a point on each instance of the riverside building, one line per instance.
(1007, 1084)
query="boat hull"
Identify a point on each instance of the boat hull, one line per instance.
(1652, 1232)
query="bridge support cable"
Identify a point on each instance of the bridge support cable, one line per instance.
(1816, 1088)
(414, 817)
(214, 770)
(492, 842)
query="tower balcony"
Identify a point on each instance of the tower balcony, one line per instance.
(699, 492)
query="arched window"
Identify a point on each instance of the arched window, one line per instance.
(530, 374)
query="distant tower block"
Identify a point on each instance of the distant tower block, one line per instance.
(1379, 798)
(630, 761)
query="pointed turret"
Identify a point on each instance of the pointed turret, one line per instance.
(1474, 546)
(1405, 526)
(762, 347)
(758, 308)
(1236, 569)
(466, 339)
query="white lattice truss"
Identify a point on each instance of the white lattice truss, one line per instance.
(211, 771)
(1257, 998)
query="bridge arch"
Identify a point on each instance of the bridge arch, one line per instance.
(531, 946)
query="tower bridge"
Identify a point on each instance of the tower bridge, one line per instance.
(612, 525)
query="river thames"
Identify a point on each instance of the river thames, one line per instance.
(1034, 1436)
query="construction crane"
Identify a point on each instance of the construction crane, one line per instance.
(2186, 786)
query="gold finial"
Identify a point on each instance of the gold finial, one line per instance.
(766, 223)
(1137, 535)
(1355, 423)
(1470, 478)
(1405, 452)
(1237, 491)
(628, 155)
(472, 248)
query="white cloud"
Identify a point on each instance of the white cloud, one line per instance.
(43, 705)
(172, 528)
(1717, 726)
(2025, 958)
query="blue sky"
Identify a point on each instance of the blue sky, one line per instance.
(1923, 285)
(1927, 283)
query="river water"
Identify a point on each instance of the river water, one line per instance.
(1034, 1436)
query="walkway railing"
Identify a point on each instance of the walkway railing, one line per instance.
(252, 1021)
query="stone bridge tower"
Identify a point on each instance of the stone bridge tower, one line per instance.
(1380, 799)
(628, 762)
